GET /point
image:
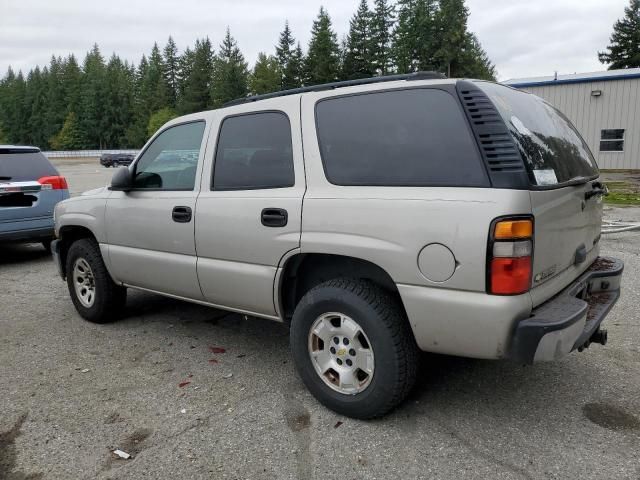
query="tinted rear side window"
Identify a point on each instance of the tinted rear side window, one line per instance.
(414, 137)
(254, 151)
(553, 150)
(21, 167)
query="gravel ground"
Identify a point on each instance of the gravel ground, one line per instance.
(73, 391)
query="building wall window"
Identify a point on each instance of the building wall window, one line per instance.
(612, 140)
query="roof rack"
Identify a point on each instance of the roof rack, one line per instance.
(18, 149)
(334, 85)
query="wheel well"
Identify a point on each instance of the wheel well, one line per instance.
(306, 270)
(67, 236)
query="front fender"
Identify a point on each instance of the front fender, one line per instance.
(82, 212)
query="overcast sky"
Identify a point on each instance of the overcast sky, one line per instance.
(522, 37)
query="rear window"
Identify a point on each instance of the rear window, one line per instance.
(553, 150)
(20, 167)
(415, 137)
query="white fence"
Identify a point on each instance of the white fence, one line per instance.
(84, 153)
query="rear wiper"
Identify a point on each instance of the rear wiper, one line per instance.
(578, 181)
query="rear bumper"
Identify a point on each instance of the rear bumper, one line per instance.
(569, 320)
(27, 230)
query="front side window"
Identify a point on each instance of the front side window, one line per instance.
(254, 152)
(170, 162)
(416, 137)
(612, 140)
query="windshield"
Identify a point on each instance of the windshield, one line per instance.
(553, 150)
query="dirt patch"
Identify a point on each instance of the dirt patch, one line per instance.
(610, 416)
(601, 264)
(8, 453)
(132, 444)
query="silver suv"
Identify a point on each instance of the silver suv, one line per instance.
(377, 217)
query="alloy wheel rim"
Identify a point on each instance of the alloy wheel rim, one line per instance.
(84, 283)
(341, 353)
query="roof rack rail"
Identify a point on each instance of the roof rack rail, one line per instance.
(333, 85)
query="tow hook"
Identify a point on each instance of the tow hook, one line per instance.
(599, 336)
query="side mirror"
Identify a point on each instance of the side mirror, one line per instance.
(122, 180)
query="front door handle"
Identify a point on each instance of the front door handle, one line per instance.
(274, 217)
(181, 214)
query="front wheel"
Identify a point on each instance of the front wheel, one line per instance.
(353, 347)
(94, 294)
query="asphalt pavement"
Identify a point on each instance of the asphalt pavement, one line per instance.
(192, 392)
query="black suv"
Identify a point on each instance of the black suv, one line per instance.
(116, 159)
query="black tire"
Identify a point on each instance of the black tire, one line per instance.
(109, 298)
(383, 321)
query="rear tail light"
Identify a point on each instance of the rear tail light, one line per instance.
(53, 183)
(509, 257)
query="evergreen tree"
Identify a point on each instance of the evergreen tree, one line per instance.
(452, 39)
(72, 83)
(230, 77)
(155, 91)
(197, 69)
(285, 56)
(266, 76)
(296, 67)
(457, 52)
(159, 118)
(624, 48)
(69, 137)
(91, 118)
(185, 67)
(34, 107)
(171, 71)
(118, 102)
(357, 61)
(404, 47)
(381, 24)
(55, 106)
(323, 57)
(137, 132)
(478, 64)
(427, 34)
(17, 124)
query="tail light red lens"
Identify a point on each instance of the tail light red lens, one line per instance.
(510, 276)
(509, 263)
(54, 183)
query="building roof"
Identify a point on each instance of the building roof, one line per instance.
(607, 75)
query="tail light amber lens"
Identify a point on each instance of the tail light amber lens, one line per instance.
(509, 261)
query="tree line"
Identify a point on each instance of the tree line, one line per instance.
(624, 46)
(116, 104)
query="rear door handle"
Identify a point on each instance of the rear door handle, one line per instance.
(274, 217)
(181, 214)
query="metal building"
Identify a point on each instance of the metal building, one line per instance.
(604, 106)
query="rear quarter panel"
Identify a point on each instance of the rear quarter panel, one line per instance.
(389, 226)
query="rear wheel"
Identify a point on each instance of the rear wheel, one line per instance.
(94, 294)
(353, 348)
